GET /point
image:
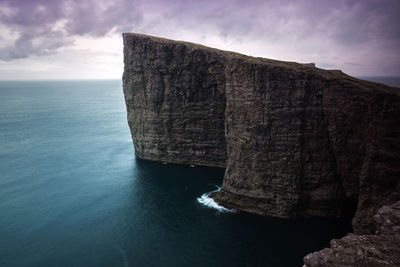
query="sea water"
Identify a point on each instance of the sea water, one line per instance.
(72, 193)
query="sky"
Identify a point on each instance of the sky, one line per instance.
(81, 39)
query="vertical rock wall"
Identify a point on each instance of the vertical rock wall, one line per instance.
(276, 112)
(303, 141)
(175, 98)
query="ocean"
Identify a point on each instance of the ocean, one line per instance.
(72, 193)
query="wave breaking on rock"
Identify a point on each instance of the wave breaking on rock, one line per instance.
(207, 201)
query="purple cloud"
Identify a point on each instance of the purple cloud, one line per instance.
(35, 22)
(314, 26)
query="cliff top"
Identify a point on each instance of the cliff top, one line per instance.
(294, 66)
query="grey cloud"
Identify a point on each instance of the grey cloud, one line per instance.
(325, 25)
(35, 20)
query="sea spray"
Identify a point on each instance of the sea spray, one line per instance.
(207, 201)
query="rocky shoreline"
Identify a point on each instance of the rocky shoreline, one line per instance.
(381, 248)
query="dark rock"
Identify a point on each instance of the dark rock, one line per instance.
(295, 140)
(380, 249)
(175, 99)
(387, 221)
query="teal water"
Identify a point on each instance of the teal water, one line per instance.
(73, 194)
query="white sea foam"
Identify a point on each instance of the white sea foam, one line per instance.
(207, 201)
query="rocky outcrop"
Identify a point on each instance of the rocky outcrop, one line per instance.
(379, 249)
(295, 140)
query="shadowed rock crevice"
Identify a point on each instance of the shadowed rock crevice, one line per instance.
(295, 140)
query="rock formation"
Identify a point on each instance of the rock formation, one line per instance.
(379, 249)
(295, 140)
(175, 98)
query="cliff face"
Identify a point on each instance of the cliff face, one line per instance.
(175, 98)
(295, 140)
(303, 141)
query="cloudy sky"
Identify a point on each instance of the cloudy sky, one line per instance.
(81, 39)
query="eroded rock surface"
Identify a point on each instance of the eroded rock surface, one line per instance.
(295, 140)
(175, 98)
(380, 249)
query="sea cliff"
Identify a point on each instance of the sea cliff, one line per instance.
(175, 98)
(295, 140)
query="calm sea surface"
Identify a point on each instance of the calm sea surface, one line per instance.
(73, 194)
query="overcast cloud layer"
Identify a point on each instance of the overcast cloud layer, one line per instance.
(82, 39)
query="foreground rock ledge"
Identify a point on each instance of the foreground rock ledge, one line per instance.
(295, 140)
(379, 249)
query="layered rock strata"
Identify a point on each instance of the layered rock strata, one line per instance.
(379, 249)
(295, 140)
(175, 99)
